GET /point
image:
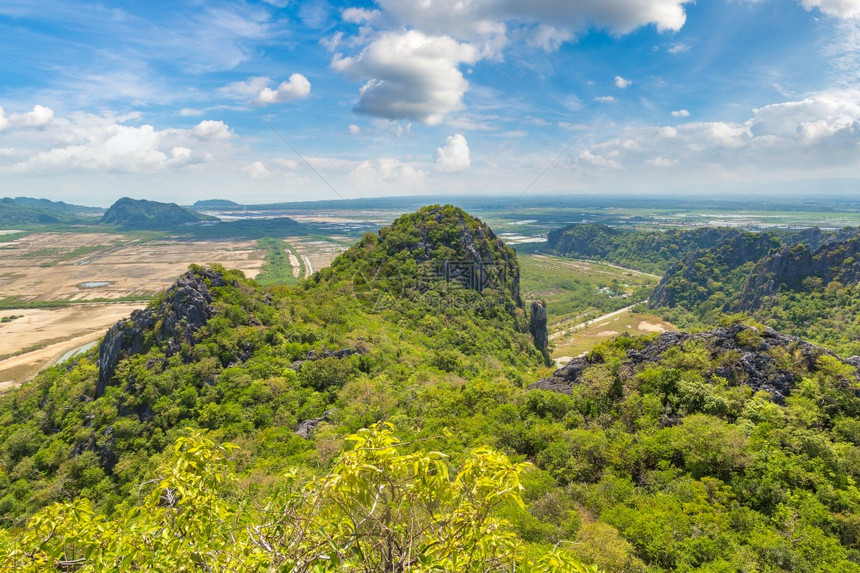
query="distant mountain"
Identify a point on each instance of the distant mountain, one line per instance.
(142, 214)
(29, 211)
(215, 204)
(646, 250)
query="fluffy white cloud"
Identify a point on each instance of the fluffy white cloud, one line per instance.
(257, 171)
(257, 90)
(604, 99)
(454, 156)
(409, 75)
(483, 18)
(549, 37)
(354, 129)
(208, 129)
(296, 87)
(681, 113)
(390, 172)
(840, 8)
(805, 135)
(87, 142)
(622, 83)
(40, 116)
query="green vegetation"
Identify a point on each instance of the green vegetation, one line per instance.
(672, 464)
(277, 269)
(23, 211)
(577, 291)
(378, 510)
(652, 251)
(129, 213)
(11, 317)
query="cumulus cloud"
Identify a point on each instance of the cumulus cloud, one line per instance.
(354, 129)
(454, 156)
(257, 90)
(622, 83)
(389, 171)
(296, 87)
(89, 142)
(40, 116)
(208, 129)
(482, 18)
(257, 171)
(604, 99)
(839, 8)
(409, 75)
(549, 37)
(681, 113)
(821, 130)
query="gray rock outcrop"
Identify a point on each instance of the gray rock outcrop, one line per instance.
(173, 323)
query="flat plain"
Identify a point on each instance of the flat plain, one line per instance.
(66, 289)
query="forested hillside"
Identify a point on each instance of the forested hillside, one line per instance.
(731, 450)
(652, 251)
(129, 213)
(27, 211)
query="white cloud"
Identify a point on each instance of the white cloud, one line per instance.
(296, 87)
(256, 89)
(190, 112)
(86, 142)
(388, 171)
(208, 129)
(354, 129)
(622, 83)
(454, 156)
(604, 99)
(821, 132)
(681, 113)
(678, 48)
(662, 162)
(257, 171)
(484, 18)
(359, 15)
(549, 37)
(39, 117)
(409, 75)
(839, 8)
(4, 121)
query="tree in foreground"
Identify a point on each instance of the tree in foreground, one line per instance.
(377, 510)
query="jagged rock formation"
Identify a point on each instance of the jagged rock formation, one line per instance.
(692, 280)
(835, 260)
(744, 355)
(185, 308)
(537, 325)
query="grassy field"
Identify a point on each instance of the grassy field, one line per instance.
(577, 292)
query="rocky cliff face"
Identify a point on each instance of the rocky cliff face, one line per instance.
(185, 308)
(537, 325)
(691, 280)
(789, 267)
(742, 355)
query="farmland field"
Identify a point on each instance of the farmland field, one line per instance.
(65, 289)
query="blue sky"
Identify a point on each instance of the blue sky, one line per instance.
(284, 100)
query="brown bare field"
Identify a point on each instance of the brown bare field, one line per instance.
(584, 339)
(79, 267)
(76, 266)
